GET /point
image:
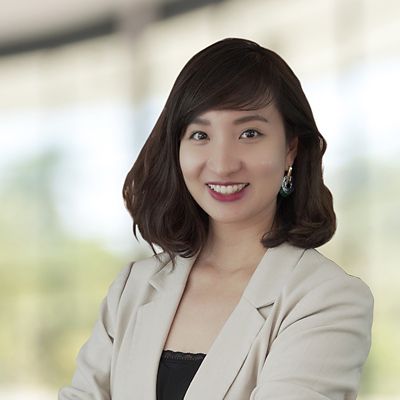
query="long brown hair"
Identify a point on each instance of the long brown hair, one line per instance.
(230, 74)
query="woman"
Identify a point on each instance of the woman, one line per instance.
(238, 305)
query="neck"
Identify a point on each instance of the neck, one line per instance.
(230, 249)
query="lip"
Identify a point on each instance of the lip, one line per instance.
(226, 183)
(227, 197)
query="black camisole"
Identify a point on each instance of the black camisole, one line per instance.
(175, 372)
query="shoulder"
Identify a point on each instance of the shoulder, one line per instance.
(317, 283)
(306, 269)
(317, 269)
(141, 269)
(146, 267)
(132, 277)
(322, 322)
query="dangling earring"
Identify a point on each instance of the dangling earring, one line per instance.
(287, 184)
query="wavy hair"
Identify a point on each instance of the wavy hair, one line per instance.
(235, 74)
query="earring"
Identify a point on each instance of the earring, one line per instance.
(287, 184)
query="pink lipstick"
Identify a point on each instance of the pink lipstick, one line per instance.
(227, 197)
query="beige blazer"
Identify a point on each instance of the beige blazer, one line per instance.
(301, 331)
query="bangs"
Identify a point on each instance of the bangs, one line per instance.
(241, 82)
(248, 93)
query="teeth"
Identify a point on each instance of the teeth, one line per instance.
(227, 189)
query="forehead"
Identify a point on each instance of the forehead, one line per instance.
(265, 114)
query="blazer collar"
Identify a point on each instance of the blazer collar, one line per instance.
(230, 348)
(263, 287)
(272, 272)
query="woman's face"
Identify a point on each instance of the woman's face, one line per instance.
(233, 163)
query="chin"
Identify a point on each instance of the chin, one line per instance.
(226, 219)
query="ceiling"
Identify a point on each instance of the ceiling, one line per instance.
(31, 24)
(27, 24)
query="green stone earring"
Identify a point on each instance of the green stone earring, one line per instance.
(287, 184)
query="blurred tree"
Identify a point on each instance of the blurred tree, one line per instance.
(51, 283)
(366, 242)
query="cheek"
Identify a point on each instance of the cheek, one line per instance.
(189, 163)
(270, 165)
(271, 174)
(273, 163)
(270, 170)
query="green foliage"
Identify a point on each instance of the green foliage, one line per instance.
(51, 283)
(366, 245)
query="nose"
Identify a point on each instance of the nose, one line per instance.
(224, 161)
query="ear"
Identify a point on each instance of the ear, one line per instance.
(291, 151)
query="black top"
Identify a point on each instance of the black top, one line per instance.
(175, 372)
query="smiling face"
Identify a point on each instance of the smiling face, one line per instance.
(233, 163)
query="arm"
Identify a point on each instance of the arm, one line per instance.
(91, 380)
(321, 346)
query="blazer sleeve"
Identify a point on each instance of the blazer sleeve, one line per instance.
(322, 344)
(91, 380)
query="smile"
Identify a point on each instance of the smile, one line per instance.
(227, 189)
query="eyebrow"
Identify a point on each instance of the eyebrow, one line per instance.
(241, 120)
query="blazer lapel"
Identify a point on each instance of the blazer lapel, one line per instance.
(230, 348)
(152, 326)
(227, 353)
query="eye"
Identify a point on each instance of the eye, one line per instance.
(251, 133)
(198, 136)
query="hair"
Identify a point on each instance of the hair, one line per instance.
(235, 74)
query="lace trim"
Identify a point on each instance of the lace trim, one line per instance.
(179, 355)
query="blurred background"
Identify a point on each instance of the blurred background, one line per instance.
(81, 84)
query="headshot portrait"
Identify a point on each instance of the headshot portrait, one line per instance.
(199, 200)
(235, 302)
